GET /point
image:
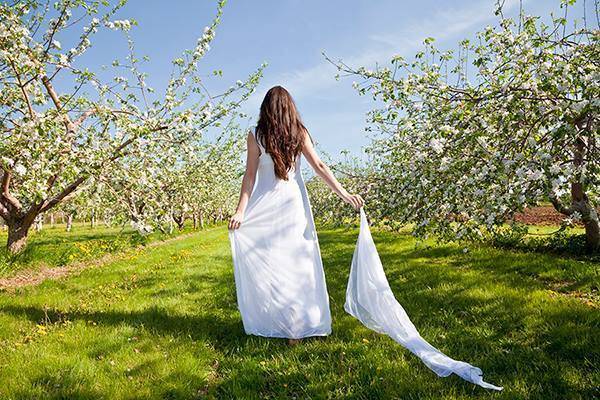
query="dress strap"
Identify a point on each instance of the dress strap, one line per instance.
(253, 130)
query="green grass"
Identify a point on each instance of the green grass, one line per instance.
(550, 229)
(163, 324)
(53, 246)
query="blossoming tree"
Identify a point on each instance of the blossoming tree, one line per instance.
(468, 140)
(174, 183)
(53, 139)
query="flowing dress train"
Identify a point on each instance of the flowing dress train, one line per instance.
(370, 299)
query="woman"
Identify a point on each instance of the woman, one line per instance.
(280, 283)
(278, 271)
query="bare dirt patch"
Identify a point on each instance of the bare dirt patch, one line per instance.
(541, 215)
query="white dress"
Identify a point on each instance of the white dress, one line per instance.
(278, 271)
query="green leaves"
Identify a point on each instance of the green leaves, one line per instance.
(567, 2)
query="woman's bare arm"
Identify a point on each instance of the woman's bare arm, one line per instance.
(253, 154)
(321, 169)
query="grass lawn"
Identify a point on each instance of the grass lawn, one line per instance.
(53, 246)
(163, 323)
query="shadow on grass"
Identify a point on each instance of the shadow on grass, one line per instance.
(221, 331)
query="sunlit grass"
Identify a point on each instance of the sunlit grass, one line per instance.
(54, 246)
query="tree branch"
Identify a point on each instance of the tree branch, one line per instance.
(82, 118)
(559, 206)
(55, 29)
(56, 101)
(23, 91)
(49, 203)
(11, 200)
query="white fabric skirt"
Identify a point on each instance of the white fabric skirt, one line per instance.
(279, 277)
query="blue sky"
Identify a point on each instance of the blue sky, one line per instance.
(291, 35)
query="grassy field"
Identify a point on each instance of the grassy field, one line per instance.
(163, 323)
(53, 246)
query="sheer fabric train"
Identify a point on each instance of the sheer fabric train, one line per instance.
(370, 300)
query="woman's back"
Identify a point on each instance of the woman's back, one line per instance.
(266, 169)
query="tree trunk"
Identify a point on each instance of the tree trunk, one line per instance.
(39, 222)
(69, 222)
(17, 235)
(201, 220)
(179, 220)
(589, 217)
(93, 220)
(171, 226)
(195, 220)
(581, 203)
(52, 220)
(592, 233)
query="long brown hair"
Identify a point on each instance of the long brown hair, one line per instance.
(280, 130)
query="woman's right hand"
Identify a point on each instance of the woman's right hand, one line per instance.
(354, 200)
(236, 220)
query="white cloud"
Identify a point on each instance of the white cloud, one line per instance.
(441, 25)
